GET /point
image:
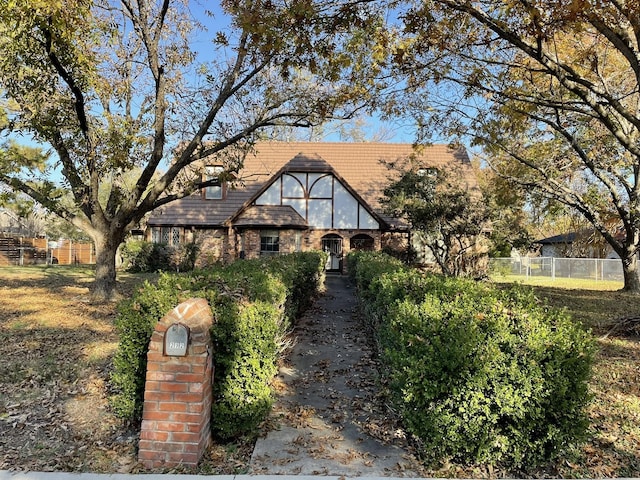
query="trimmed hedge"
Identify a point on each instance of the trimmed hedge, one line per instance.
(253, 307)
(478, 374)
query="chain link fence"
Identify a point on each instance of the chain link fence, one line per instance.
(551, 267)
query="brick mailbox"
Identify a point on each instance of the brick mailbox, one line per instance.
(177, 398)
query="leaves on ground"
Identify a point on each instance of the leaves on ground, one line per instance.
(56, 350)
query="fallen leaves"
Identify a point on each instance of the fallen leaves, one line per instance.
(56, 349)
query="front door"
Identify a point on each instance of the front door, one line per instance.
(333, 246)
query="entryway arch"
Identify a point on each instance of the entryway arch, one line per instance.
(332, 244)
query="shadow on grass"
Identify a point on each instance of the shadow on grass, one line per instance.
(597, 310)
(54, 277)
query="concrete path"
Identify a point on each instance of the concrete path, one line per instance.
(329, 419)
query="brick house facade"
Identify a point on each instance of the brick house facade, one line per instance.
(299, 196)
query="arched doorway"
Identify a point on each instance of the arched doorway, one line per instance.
(362, 242)
(332, 244)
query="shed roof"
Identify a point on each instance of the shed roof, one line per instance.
(562, 238)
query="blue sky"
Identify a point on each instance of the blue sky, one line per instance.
(373, 128)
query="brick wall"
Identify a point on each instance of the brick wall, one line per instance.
(212, 246)
(218, 245)
(178, 392)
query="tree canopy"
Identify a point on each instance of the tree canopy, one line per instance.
(549, 90)
(110, 87)
(443, 214)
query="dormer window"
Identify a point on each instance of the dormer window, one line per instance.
(215, 191)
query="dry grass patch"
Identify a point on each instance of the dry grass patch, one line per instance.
(56, 347)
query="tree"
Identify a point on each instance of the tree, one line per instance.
(446, 216)
(114, 86)
(550, 90)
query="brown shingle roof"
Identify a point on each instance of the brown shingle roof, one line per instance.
(270, 216)
(360, 165)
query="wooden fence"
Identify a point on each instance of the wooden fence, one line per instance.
(35, 251)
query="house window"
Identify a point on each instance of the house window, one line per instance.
(269, 242)
(428, 172)
(213, 192)
(166, 235)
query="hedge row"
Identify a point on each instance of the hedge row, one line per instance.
(254, 303)
(478, 374)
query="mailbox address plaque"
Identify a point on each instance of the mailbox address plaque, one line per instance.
(176, 340)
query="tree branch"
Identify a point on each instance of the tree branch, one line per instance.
(79, 103)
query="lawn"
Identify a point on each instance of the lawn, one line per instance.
(560, 282)
(56, 348)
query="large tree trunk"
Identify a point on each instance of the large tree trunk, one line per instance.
(630, 272)
(104, 287)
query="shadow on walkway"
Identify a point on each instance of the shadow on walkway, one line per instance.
(329, 418)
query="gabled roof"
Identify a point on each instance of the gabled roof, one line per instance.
(306, 163)
(360, 166)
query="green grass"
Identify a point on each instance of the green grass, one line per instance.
(558, 282)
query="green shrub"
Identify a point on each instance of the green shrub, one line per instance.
(481, 375)
(139, 256)
(365, 267)
(135, 322)
(245, 345)
(184, 256)
(250, 301)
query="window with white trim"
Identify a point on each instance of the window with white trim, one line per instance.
(269, 242)
(216, 191)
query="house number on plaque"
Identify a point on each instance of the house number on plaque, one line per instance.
(176, 340)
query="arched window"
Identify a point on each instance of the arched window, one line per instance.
(362, 242)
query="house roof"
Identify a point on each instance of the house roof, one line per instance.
(361, 166)
(562, 238)
(270, 216)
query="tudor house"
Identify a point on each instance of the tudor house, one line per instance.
(298, 196)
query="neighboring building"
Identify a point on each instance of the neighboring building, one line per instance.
(557, 245)
(301, 196)
(587, 243)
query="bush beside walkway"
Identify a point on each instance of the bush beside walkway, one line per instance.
(478, 374)
(254, 303)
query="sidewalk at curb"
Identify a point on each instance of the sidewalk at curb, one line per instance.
(8, 475)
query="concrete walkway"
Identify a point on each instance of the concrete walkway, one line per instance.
(329, 419)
